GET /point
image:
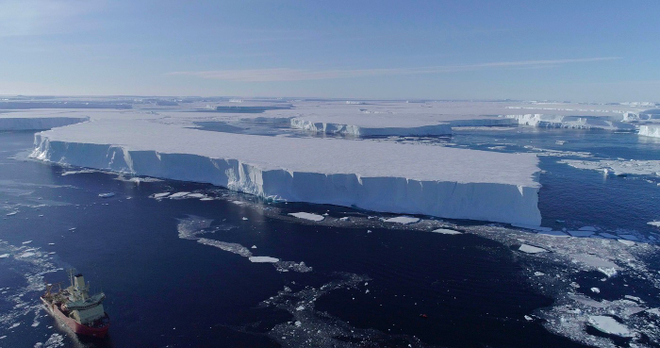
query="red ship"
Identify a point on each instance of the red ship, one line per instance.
(82, 313)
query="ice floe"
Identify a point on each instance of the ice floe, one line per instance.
(609, 325)
(307, 216)
(530, 249)
(446, 231)
(404, 220)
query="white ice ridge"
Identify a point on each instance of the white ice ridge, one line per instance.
(577, 122)
(380, 176)
(650, 131)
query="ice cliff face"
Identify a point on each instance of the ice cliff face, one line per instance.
(37, 123)
(362, 131)
(499, 202)
(650, 131)
(577, 122)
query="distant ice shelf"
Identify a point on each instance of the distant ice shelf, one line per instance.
(380, 176)
(363, 131)
(9, 123)
(576, 122)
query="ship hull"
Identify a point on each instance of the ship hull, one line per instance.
(75, 326)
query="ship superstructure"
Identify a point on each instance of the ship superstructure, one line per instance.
(83, 313)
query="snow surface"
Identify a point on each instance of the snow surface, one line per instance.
(380, 176)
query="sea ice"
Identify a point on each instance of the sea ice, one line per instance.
(446, 231)
(106, 195)
(580, 233)
(609, 325)
(263, 259)
(307, 216)
(530, 249)
(619, 167)
(404, 220)
(4, 256)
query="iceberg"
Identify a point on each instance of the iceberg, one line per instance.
(379, 176)
(575, 122)
(650, 131)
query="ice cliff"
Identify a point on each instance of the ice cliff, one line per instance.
(650, 131)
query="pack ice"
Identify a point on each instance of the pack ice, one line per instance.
(379, 176)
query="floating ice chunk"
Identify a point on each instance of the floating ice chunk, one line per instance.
(12, 213)
(580, 233)
(308, 216)
(178, 195)
(263, 259)
(530, 249)
(160, 195)
(107, 195)
(27, 254)
(253, 247)
(345, 218)
(244, 218)
(528, 318)
(26, 242)
(234, 248)
(654, 223)
(404, 220)
(195, 195)
(608, 271)
(82, 171)
(609, 325)
(15, 325)
(539, 274)
(595, 290)
(446, 231)
(4, 256)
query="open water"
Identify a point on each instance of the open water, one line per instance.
(177, 272)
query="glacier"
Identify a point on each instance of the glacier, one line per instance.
(387, 177)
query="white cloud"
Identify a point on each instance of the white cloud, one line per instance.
(285, 74)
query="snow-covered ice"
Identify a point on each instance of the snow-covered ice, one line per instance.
(609, 325)
(530, 249)
(446, 231)
(263, 259)
(404, 220)
(308, 216)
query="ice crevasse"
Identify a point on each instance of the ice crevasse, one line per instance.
(386, 177)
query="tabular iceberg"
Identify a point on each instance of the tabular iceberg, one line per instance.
(388, 177)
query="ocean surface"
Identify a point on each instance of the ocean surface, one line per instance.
(192, 265)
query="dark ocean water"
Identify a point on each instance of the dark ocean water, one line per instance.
(167, 284)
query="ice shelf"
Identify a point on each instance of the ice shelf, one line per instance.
(379, 176)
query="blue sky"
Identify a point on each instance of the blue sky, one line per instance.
(565, 50)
